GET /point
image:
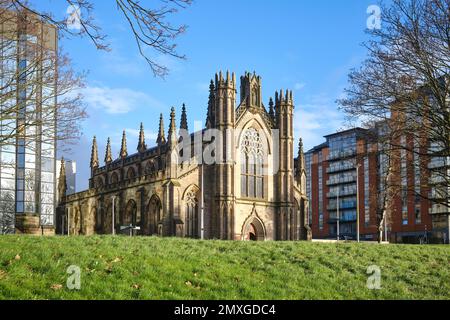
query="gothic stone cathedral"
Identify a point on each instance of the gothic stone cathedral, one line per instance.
(254, 190)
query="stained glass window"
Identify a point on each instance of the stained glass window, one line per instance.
(252, 164)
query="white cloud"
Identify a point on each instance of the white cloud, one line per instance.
(202, 87)
(317, 117)
(118, 100)
(116, 61)
(299, 86)
(134, 134)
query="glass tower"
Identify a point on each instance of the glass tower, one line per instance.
(27, 125)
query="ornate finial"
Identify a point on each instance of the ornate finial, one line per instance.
(172, 128)
(271, 110)
(62, 184)
(301, 164)
(172, 138)
(108, 153)
(94, 154)
(300, 146)
(210, 114)
(123, 149)
(161, 135)
(184, 122)
(62, 170)
(141, 145)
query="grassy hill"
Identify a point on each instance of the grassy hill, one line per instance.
(154, 268)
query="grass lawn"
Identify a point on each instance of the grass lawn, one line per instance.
(155, 268)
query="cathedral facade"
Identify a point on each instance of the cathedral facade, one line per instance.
(236, 179)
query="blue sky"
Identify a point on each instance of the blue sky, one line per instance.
(307, 46)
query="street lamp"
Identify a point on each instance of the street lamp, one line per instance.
(357, 201)
(113, 215)
(338, 214)
(68, 221)
(202, 223)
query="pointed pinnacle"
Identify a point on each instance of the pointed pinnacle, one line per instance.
(123, 149)
(94, 154)
(108, 153)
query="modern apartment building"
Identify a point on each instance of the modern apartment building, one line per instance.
(27, 124)
(345, 177)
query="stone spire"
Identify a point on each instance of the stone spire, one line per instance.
(172, 128)
(94, 154)
(210, 115)
(141, 145)
(301, 155)
(108, 153)
(251, 90)
(301, 166)
(62, 184)
(271, 110)
(123, 148)
(161, 135)
(183, 122)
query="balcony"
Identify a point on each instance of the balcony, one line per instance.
(343, 206)
(345, 193)
(341, 154)
(334, 169)
(344, 218)
(342, 180)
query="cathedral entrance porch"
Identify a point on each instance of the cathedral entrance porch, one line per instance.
(254, 230)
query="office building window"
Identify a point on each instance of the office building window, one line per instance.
(366, 192)
(404, 185)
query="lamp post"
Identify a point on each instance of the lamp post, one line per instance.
(385, 229)
(113, 215)
(68, 221)
(202, 227)
(338, 214)
(357, 201)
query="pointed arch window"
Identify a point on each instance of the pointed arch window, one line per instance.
(114, 178)
(252, 163)
(191, 214)
(131, 174)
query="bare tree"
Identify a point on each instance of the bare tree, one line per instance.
(405, 84)
(6, 214)
(150, 26)
(39, 90)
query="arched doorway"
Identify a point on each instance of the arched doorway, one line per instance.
(130, 213)
(254, 230)
(100, 220)
(251, 233)
(152, 216)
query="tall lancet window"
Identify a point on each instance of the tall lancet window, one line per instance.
(252, 161)
(192, 214)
